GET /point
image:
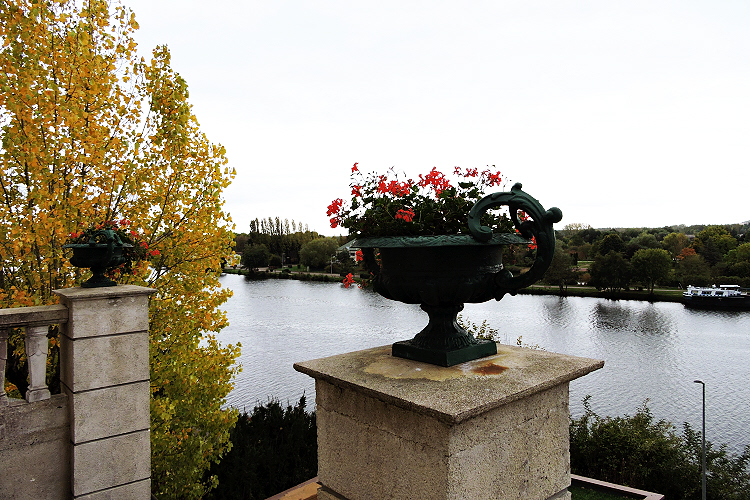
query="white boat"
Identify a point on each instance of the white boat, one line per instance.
(716, 297)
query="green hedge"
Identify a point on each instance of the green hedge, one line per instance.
(273, 449)
(640, 452)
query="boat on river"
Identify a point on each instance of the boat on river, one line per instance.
(716, 297)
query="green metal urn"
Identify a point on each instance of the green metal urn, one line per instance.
(442, 273)
(103, 251)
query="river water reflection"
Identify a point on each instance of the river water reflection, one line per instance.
(651, 351)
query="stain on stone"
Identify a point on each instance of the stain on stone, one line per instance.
(489, 369)
(399, 368)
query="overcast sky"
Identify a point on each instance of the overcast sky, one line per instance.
(622, 113)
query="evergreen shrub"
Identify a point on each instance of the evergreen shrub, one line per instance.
(273, 449)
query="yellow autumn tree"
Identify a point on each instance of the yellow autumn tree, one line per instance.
(90, 133)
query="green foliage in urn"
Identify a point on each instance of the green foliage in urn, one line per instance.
(390, 205)
(135, 246)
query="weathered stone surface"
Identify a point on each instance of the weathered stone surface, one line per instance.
(93, 440)
(22, 424)
(34, 449)
(35, 316)
(3, 359)
(140, 490)
(105, 371)
(92, 363)
(455, 393)
(103, 464)
(106, 311)
(491, 428)
(92, 411)
(516, 451)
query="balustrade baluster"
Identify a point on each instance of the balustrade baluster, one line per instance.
(3, 358)
(36, 356)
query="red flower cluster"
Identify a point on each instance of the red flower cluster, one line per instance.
(333, 209)
(335, 206)
(436, 180)
(492, 179)
(381, 204)
(468, 172)
(395, 188)
(407, 215)
(488, 177)
(349, 280)
(359, 256)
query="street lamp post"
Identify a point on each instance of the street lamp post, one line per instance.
(703, 461)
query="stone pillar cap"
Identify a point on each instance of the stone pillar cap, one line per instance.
(103, 292)
(453, 394)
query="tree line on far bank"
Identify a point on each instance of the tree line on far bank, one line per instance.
(607, 259)
(273, 242)
(620, 259)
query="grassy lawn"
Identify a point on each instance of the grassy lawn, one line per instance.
(660, 294)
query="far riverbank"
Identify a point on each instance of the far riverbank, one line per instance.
(659, 295)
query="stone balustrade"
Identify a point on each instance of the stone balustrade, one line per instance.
(36, 322)
(91, 442)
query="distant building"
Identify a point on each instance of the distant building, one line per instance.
(349, 248)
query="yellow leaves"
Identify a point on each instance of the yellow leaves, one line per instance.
(79, 147)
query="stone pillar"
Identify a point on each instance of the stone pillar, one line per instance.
(486, 429)
(104, 370)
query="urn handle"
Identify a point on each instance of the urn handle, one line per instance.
(539, 226)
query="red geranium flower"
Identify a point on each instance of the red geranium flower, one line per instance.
(335, 206)
(407, 215)
(348, 280)
(380, 202)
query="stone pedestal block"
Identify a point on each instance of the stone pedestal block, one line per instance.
(104, 370)
(391, 428)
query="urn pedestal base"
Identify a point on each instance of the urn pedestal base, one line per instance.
(443, 341)
(393, 428)
(407, 349)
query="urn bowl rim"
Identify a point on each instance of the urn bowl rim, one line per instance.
(437, 241)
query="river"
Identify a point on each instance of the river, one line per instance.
(652, 351)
